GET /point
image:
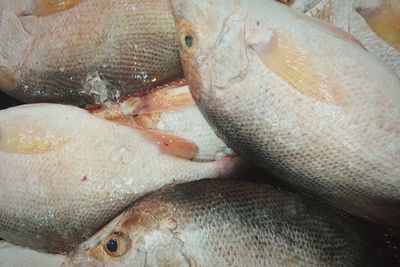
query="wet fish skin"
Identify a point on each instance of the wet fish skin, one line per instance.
(260, 76)
(352, 16)
(97, 51)
(227, 223)
(65, 173)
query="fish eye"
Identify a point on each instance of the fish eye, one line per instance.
(188, 41)
(116, 244)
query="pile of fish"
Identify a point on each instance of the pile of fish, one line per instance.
(198, 133)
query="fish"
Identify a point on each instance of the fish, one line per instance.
(227, 223)
(65, 172)
(375, 23)
(86, 52)
(172, 110)
(14, 256)
(298, 97)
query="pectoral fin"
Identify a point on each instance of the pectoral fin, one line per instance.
(384, 20)
(166, 100)
(49, 7)
(171, 144)
(296, 67)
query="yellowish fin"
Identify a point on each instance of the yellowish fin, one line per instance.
(143, 114)
(49, 7)
(170, 144)
(384, 20)
(146, 110)
(166, 100)
(296, 67)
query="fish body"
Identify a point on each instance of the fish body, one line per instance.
(65, 172)
(375, 23)
(13, 256)
(298, 97)
(88, 52)
(226, 223)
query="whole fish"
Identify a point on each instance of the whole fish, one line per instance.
(85, 52)
(227, 223)
(65, 173)
(375, 23)
(13, 256)
(298, 97)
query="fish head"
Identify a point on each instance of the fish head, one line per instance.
(209, 36)
(143, 235)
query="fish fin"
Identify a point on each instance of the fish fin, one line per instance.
(296, 67)
(49, 7)
(384, 20)
(170, 144)
(168, 99)
(149, 121)
(146, 110)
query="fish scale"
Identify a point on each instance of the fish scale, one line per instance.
(65, 173)
(263, 83)
(227, 223)
(129, 45)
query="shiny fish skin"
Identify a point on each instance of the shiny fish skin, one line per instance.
(95, 52)
(327, 123)
(226, 223)
(346, 14)
(65, 173)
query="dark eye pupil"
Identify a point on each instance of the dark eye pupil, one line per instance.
(189, 41)
(112, 245)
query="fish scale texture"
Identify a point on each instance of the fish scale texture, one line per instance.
(328, 168)
(66, 173)
(299, 98)
(242, 224)
(78, 58)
